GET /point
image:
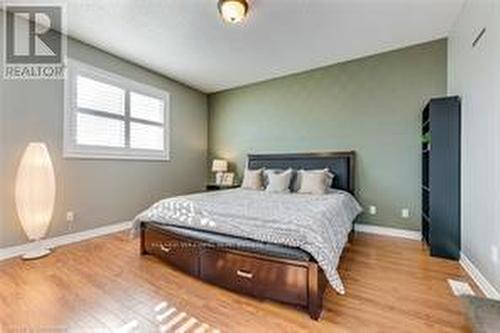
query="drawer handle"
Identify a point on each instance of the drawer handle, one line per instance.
(244, 274)
(164, 248)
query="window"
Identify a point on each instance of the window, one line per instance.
(109, 116)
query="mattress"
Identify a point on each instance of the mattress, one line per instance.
(237, 243)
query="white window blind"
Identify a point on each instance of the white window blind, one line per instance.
(109, 116)
(99, 96)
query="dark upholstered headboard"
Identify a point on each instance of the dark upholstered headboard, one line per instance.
(340, 163)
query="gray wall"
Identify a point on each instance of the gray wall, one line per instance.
(474, 74)
(99, 191)
(370, 105)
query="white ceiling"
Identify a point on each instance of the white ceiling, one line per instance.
(187, 41)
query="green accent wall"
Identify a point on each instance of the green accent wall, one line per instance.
(371, 105)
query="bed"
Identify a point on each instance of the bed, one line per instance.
(279, 246)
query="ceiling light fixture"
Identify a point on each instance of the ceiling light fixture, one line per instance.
(233, 11)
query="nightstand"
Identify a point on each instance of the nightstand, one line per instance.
(215, 187)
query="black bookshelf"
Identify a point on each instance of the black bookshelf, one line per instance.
(441, 177)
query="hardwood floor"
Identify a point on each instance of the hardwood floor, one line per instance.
(105, 285)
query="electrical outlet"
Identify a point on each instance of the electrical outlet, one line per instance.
(70, 216)
(495, 254)
(372, 210)
(405, 213)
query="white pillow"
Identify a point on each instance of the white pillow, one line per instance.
(278, 181)
(297, 182)
(252, 179)
(314, 182)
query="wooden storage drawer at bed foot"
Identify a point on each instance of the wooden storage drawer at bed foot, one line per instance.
(255, 276)
(179, 253)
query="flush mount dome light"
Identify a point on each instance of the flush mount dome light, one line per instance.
(233, 11)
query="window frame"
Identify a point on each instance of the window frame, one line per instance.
(72, 150)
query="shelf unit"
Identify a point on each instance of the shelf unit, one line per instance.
(441, 177)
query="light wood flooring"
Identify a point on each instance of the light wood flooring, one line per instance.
(103, 285)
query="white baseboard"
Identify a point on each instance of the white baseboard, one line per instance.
(15, 251)
(393, 232)
(483, 284)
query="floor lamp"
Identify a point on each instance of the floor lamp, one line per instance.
(35, 195)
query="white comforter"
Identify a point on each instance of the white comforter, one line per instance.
(318, 224)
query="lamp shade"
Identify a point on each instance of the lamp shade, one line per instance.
(233, 11)
(35, 190)
(219, 166)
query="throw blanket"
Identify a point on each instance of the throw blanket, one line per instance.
(318, 224)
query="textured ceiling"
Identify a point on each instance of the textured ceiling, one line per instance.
(187, 41)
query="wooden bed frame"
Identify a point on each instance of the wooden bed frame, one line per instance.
(300, 283)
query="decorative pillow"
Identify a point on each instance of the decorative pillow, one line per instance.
(252, 179)
(298, 178)
(277, 171)
(278, 181)
(315, 181)
(271, 171)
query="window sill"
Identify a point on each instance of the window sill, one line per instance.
(85, 156)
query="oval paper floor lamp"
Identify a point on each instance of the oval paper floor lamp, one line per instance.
(35, 195)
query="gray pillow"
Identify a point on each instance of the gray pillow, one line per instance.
(252, 179)
(278, 181)
(297, 181)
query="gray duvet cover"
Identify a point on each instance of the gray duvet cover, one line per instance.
(317, 224)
